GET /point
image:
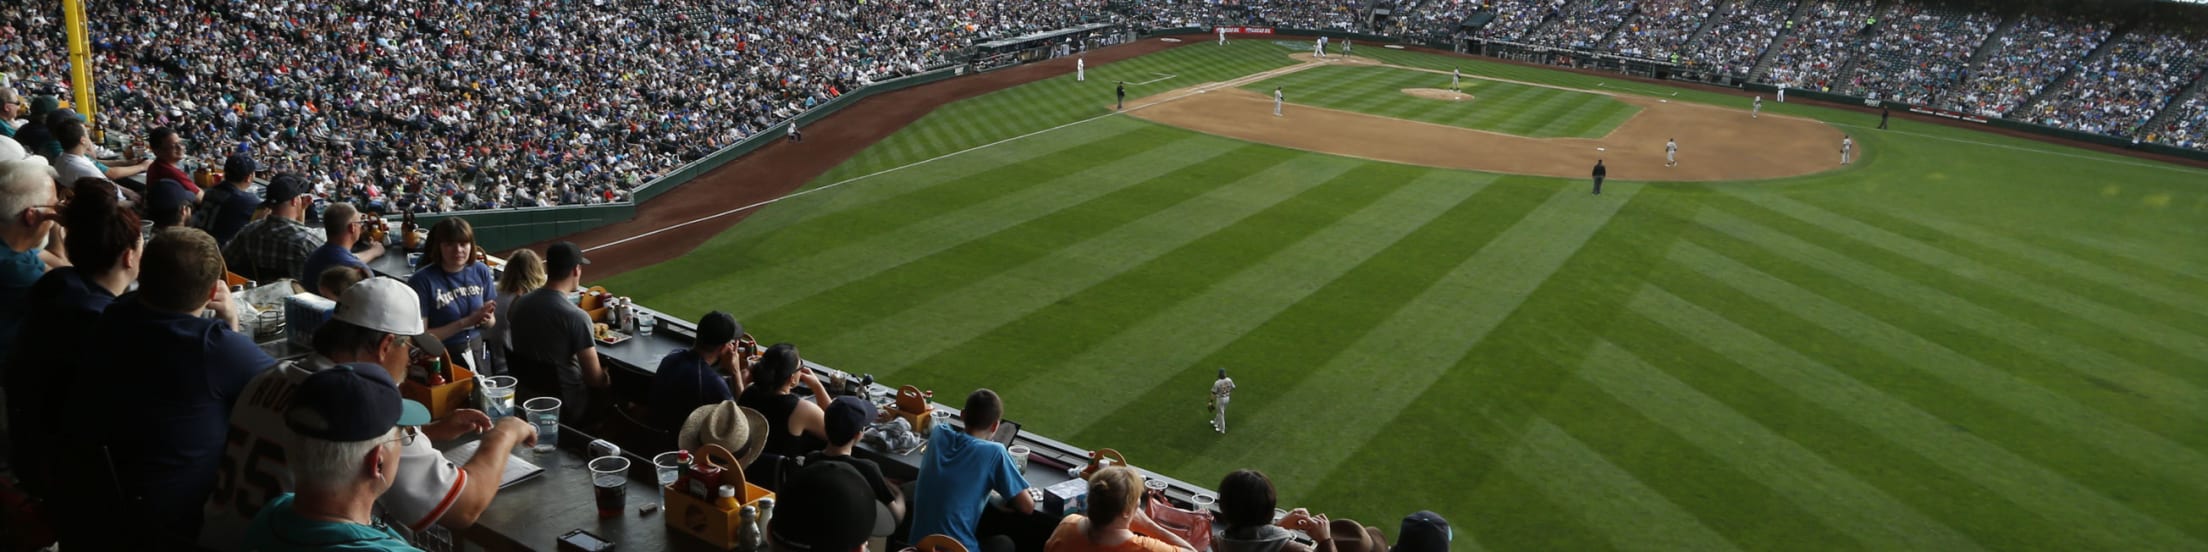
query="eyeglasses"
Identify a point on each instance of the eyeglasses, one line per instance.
(406, 436)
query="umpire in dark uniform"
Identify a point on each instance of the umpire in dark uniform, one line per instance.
(1883, 113)
(1121, 90)
(1600, 171)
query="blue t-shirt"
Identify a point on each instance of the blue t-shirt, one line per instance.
(279, 528)
(232, 210)
(180, 374)
(330, 255)
(448, 297)
(683, 383)
(18, 270)
(955, 480)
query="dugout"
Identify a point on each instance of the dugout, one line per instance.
(1002, 53)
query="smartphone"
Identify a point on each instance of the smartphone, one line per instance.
(584, 541)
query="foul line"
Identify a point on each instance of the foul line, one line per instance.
(2044, 148)
(1193, 91)
(1167, 76)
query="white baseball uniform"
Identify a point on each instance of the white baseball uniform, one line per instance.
(1671, 152)
(1845, 145)
(1276, 102)
(1081, 69)
(1456, 79)
(1318, 47)
(1222, 36)
(1782, 95)
(1221, 390)
(1757, 111)
(425, 487)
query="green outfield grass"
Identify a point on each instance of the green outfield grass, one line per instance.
(1504, 107)
(1965, 341)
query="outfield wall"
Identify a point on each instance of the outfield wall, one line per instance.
(499, 230)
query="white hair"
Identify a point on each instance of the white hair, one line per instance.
(329, 465)
(23, 185)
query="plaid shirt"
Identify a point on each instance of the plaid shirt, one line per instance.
(271, 248)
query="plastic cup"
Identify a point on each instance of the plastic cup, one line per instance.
(669, 471)
(500, 391)
(1154, 484)
(1019, 456)
(609, 482)
(1203, 501)
(545, 413)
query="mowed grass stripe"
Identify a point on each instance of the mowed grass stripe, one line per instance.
(1837, 498)
(1172, 219)
(2084, 370)
(1632, 515)
(1248, 211)
(843, 252)
(1143, 354)
(2084, 513)
(2155, 293)
(1317, 328)
(2177, 264)
(2178, 341)
(1410, 350)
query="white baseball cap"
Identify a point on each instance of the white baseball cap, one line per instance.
(389, 306)
(11, 150)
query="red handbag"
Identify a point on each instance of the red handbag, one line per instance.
(1193, 526)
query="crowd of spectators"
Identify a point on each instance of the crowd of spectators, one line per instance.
(443, 106)
(2188, 128)
(1583, 24)
(1919, 51)
(2020, 63)
(1741, 35)
(1660, 27)
(1514, 18)
(1823, 39)
(2119, 91)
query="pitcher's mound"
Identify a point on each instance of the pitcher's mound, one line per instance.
(1438, 94)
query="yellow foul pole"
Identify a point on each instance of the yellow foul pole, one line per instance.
(80, 62)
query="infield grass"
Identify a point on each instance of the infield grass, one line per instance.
(1493, 105)
(1965, 341)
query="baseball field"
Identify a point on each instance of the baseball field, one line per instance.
(1960, 341)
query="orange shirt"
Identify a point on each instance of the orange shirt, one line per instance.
(1070, 538)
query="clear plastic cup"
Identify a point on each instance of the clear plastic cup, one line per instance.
(500, 391)
(669, 470)
(544, 412)
(1019, 456)
(609, 482)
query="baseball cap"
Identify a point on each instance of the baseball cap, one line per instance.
(562, 258)
(718, 328)
(1424, 531)
(239, 164)
(349, 403)
(847, 416)
(167, 195)
(389, 306)
(284, 187)
(826, 506)
(42, 105)
(11, 150)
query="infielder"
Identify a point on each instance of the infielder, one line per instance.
(1276, 101)
(1757, 111)
(1846, 143)
(1081, 69)
(1318, 48)
(1456, 79)
(1221, 390)
(1222, 36)
(1782, 94)
(1671, 152)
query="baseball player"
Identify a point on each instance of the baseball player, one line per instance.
(1345, 46)
(1081, 69)
(1456, 79)
(1883, 113)
(1757, 111)
(1221, 390)
(1122, 92)
(1782, 94)
(1276, 101)
(1600, 172)
(1671, 152)
(1318, 48)
(1847, 143)
(1222, 36)
(793, 135)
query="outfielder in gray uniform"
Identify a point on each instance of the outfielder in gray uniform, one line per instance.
(1276, 101)
(1671, 152)
(1221, 390)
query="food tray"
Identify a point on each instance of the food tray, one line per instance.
(613, 337)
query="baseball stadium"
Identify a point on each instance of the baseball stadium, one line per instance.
(1540, 274)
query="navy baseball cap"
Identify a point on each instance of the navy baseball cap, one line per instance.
(718, 328)
(168, 195)
(284, 187)
(239, 164)
(349, 403)
(847, 416)
(1424, 531)
(562, 258)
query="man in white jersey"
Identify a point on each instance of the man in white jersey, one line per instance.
(1276, 101)
(1671, 152)
(1222, 36)
(1456, 80)
(1221, 390)
(1081, 69)
(1756, 112)
(377, 321)
(1847, 144)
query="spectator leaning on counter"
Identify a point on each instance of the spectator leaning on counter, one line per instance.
(553, 348)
